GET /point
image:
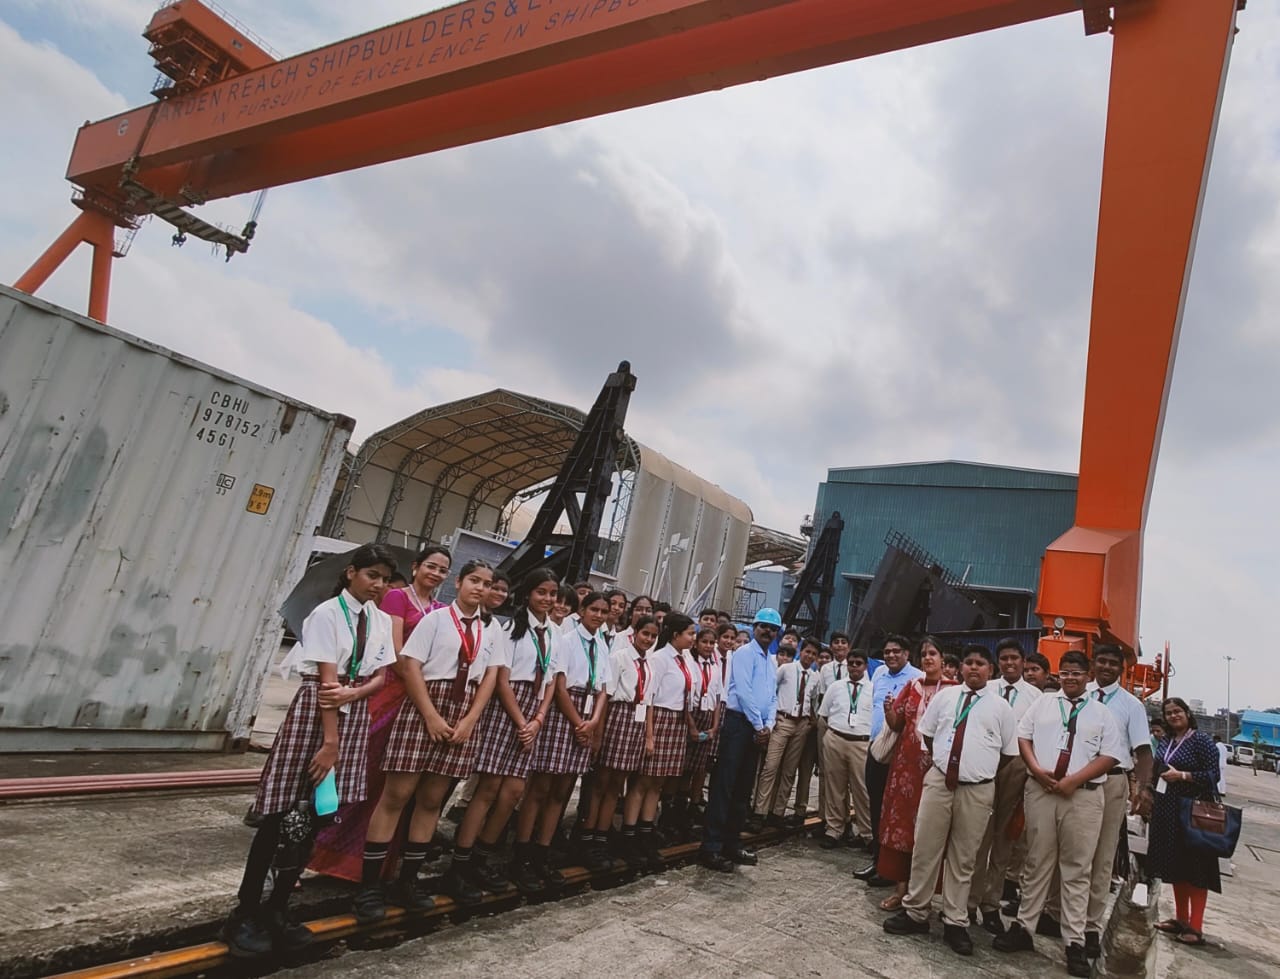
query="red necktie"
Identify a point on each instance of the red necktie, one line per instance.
(1064, 756)
(639, 679)
(466, 654)
(957, 743)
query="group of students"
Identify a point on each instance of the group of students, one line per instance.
(971, 774)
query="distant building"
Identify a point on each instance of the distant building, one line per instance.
(1259, 727)
(988, 524)
(1197, 706)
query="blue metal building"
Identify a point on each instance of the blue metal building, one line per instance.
(1265, 724)
(987, 524)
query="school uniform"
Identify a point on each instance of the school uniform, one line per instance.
(1062, 833)
(701, 753)
(997, 847)
(529, 665)
(623, 747)
(580, 656)
(357, 640)
(1135, 732)
(846, 711)
(794, 719)
(827, 675)
(453, 651)
(971, 730)
(674, 688)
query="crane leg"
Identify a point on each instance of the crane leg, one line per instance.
(95, 229)
(1169, 63)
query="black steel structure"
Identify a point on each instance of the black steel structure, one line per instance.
(580, 491)
(810, 607)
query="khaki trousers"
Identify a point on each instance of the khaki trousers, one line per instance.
(997, 848)
(844, 773)
(948, 824)
(804, 775)
(780, 764)
(1115, 806)
(1062, 835)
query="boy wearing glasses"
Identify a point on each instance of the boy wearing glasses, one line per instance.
(846, 714)
(1069, 741)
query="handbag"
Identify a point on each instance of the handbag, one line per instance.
(882, 747)
(1209, 826)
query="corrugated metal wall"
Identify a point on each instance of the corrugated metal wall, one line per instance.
(154, 513)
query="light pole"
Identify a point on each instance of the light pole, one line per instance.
(1229, 660)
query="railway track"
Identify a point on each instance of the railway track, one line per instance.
(29, 789)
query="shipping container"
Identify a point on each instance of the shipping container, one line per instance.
(154, 514)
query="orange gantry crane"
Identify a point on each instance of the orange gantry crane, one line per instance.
(229, 118)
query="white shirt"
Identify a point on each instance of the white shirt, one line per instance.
(1130, 715)
(989, 733)
(1020, 697)
(791, 677)
(571, 659)
(832, 672)
(522, 655)
(847, 706)
(1096, 732)
(710, 681)
(1222, 768)
(625, 666)
(670, 686)
(436, 640)
(327, 638)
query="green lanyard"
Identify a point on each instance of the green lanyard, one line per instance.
(962, 714)
(855, 691)
(1066, 721)
(353, 666)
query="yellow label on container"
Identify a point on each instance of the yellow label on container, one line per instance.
(260, 498)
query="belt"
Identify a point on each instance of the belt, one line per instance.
(1091, 786)
(981, 781)
(1118, 771)
(342, 680)
(796, 717)
(849, 737)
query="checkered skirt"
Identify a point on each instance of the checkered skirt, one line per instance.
(623, 749)
(285, 781)
(409, 749)
(557, 752)
(700, 753)
(498, 748)
(670, 741)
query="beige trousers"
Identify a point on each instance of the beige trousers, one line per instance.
(1062, 835)
(780, 763)
(1115, 806)
(948, 824)
(997, 848)
(844, 773)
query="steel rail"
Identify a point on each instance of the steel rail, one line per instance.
(13, 789)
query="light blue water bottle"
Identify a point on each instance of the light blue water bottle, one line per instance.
(327, 795)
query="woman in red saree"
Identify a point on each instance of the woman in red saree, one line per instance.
(340, 847)
(906, 772)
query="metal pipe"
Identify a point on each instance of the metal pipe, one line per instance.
(46, 788)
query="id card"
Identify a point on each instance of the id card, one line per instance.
(1064, 739)
(641, 711)
(591, 699)
(1162, 786)
(708, 702)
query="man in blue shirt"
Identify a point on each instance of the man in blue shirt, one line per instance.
(886, 684)
(751, 706)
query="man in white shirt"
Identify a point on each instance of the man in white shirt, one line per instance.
(1069, 741)
(795, 716)
(970, 732)
(997, 849)
(1118, 800)
(846, 713)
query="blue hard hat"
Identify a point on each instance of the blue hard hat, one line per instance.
(768, 616)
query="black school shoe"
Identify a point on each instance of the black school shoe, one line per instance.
(286, 934)
(957, 939)
(1048, 926)
(903, 924)
(461, 885)
(1092, 944)
(1016, 939)
(246, 936)
(742, 856)
(1077, 962)
(828, 842)
(369, 904)
(492, 877)
(715, 861)
(992, 922)
(409, 895)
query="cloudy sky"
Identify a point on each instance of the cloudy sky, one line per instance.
(884, 261)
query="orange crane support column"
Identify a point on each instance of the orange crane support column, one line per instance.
(1168, 68)
(93, 228)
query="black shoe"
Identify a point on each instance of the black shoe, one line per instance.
(876, 881)
(410, 896)
(861, 843)
(246, 936)
(598, 858)
(369, 905)
(957, 939)
(819, 831)
(775, 822)
(903, 924)
(754, 823)
(743, 857)
(286, 935)
(795, 820)
(715, 861)
(1016, 939)
(828, 842)
(1078, 961)
(866, 873)
(626, 849)
(492, 878)
(526, 878)
(460, 884)
(992, 922)
(1010, 891)
(1048, 926)
(1092, 944)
